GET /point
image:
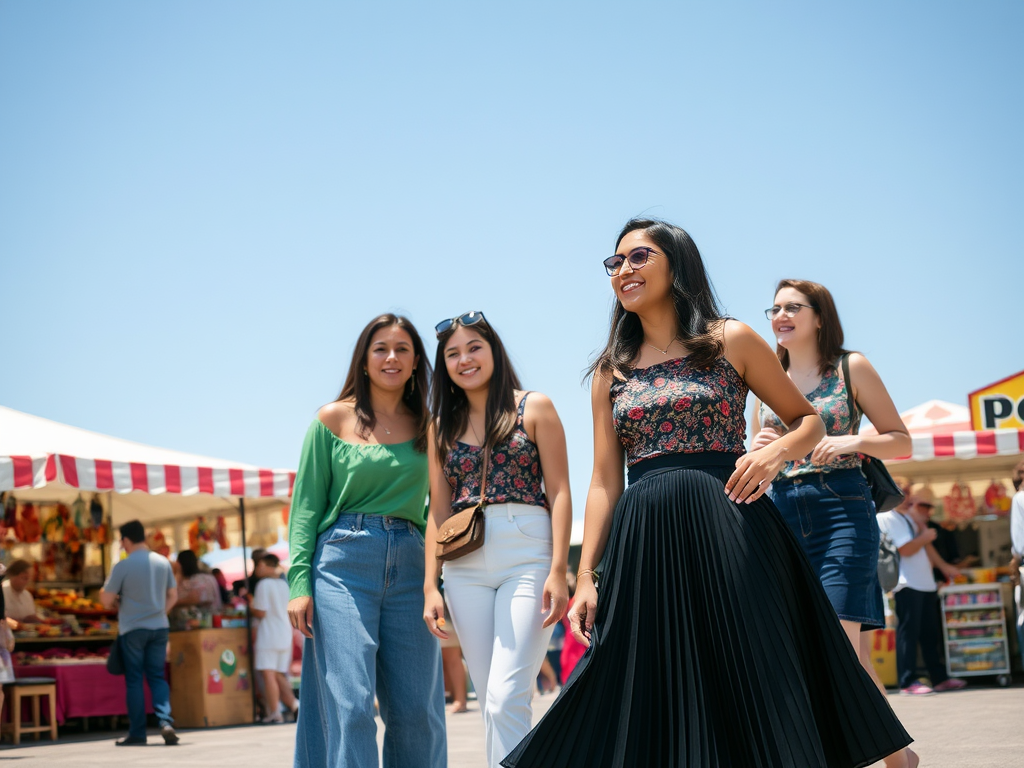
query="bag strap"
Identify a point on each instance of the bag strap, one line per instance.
(851, 401)
(483, 477)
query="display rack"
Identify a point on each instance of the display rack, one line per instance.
(974, 631)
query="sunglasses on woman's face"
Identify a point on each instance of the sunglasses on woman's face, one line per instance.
(467, 319)
(637, 259)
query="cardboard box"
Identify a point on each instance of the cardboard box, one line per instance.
(211, 678)
(883, 656)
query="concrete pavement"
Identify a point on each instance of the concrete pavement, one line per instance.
(979, 727)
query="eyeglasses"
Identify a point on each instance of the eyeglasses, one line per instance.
(790, 309)
(637, 259)
(466, 319)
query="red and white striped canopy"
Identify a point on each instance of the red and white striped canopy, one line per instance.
(36, 453)
(966, 444)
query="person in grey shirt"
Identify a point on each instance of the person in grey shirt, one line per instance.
(142, 587)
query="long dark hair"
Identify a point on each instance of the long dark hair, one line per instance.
(697, 310)
(449, 403)
(830, 335)
(357, 386)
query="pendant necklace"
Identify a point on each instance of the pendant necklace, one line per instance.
(386, 430)
(666, 349)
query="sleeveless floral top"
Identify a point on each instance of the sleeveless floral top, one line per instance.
(830, 400)
(675, 407)
(513, 475)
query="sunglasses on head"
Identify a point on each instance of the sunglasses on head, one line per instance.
(466, 319)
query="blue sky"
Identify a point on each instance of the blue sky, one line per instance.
(201, 204)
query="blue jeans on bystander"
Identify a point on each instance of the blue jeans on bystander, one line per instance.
(144, 654)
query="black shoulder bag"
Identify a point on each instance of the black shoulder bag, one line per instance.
(884, 491)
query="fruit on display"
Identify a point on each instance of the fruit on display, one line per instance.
(59, 600)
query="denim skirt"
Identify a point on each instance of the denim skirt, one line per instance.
(833, 517)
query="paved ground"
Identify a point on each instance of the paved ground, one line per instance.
(974, 728)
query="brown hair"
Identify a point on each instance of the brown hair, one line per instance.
(450, 405)
(18, 567)
(1018, 478)
(357, 386)
(830, 335)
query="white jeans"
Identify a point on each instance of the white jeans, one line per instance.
(494, 595)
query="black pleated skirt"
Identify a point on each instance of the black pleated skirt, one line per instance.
(714, 645)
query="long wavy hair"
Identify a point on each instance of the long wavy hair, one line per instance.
(449, 403)
(697, 310)
(830, 335)
(357, 386)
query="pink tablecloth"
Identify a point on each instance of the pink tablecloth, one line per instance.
(83, 690)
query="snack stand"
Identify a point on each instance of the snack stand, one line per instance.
(968, 471)
(54, 469)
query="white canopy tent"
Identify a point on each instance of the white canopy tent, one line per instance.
(49, 462)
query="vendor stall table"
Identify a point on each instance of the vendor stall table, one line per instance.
(84, 689)
(211, 681)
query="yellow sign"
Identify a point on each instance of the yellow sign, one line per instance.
(999, 405)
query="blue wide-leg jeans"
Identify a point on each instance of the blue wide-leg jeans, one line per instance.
(369, 638)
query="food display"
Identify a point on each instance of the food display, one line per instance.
(974, 630)
(66, 613)
(69, 601)
(62, 656)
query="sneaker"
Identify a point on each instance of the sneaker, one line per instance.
(951, 684)
(272, 719)
(917, 689)
(170, 737)
(131, 741)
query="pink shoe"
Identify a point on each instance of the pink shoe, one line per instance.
(917, 689)
(952, 684)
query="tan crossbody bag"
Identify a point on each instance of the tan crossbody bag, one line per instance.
(463, 532)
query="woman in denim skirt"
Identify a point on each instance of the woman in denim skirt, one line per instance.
(824, 496)
(506, 596)
(355, 532)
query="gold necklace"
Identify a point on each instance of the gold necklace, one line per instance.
(475, 435)
(666, 349)
(386, 430)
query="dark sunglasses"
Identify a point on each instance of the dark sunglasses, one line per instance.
(466, 319)
(637, 259)
(924, 505)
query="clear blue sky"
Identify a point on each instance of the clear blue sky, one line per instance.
(201, 204)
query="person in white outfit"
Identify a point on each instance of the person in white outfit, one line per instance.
(273, 638)
(505, 597)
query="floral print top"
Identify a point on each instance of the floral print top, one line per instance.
(513, 475)
(830, 401)
(675, 407)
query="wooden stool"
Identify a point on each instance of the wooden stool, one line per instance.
(32, 687)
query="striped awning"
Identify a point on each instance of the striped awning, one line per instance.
(966, 445)
(35, 452)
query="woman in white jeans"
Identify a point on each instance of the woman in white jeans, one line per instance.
(504, 598)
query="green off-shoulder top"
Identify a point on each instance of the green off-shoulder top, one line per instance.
(336, 477)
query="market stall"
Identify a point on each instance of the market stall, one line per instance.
(64, 490)
(968, 472)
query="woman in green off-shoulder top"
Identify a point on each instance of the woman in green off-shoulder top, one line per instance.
(357, 564)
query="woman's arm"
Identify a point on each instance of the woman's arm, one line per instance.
(440, 510)
(310, 496)
(554, 461)
(892, 440)
(760, 368)
(606, 486)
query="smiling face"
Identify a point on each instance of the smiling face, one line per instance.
(391, 358)
(468, 359)
(648, 286)
(800, 329)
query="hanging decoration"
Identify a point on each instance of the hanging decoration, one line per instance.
(997, 501)
(199, 536)
(222, 533)
(27, 528)
(959, 504)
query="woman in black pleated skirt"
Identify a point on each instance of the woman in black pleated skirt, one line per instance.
(712, 642)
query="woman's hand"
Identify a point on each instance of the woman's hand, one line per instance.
(300, 614)
(832, 447)
(556, 597)
(765, 437)
(433, 613)
(584, 610)
(754, 473)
